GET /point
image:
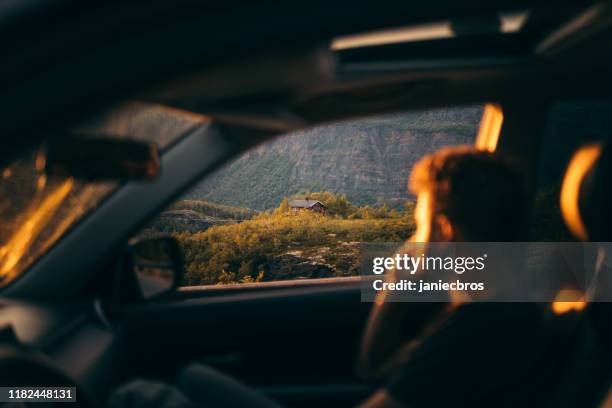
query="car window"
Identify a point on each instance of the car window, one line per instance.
(36, 210)
(298, 207)
(569, 124)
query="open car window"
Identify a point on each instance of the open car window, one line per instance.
(36, 210)
(299, 206)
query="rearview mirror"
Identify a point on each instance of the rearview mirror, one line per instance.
(157, 264)
(97, 159)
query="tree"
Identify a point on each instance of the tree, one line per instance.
(283, 207)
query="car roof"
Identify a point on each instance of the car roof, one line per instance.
(63, 60)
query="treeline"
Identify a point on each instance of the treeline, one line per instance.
(206, 208)
(339, 206)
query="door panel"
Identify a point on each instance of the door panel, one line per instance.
(297, 344)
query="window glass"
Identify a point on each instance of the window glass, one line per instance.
(297, 207)
(149, 122)
(36, 210)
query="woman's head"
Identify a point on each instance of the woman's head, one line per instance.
(464, 194)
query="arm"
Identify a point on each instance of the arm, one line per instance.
(391, 326)
(381, 339)
(381, 399)
(391, 334)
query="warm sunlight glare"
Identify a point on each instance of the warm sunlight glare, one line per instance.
(422, 217)
(86, 195)
(564, 307)
(490, 128)
(579, 166)
(513, 22)
(560, 306)
(177, 112)
(420, 32)
(18, 245)
(509, 23)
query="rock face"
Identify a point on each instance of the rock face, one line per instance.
(368, 160)
(314, 262)
(287, 267)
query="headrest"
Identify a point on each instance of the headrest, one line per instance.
(586, 197)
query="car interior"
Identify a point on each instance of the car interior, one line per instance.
(224, 78)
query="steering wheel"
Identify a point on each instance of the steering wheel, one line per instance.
(21, 368)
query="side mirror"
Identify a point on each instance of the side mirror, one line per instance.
(157, 264)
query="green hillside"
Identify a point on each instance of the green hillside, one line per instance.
(367, 160)
(277, 246)
(231, 245)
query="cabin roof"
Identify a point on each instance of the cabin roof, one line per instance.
(304, 203)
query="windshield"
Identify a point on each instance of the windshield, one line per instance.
(36, 210)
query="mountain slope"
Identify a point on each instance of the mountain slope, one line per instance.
(368, 160)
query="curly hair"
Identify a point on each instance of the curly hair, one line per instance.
(483, 194)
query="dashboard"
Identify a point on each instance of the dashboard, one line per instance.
(76, 337)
